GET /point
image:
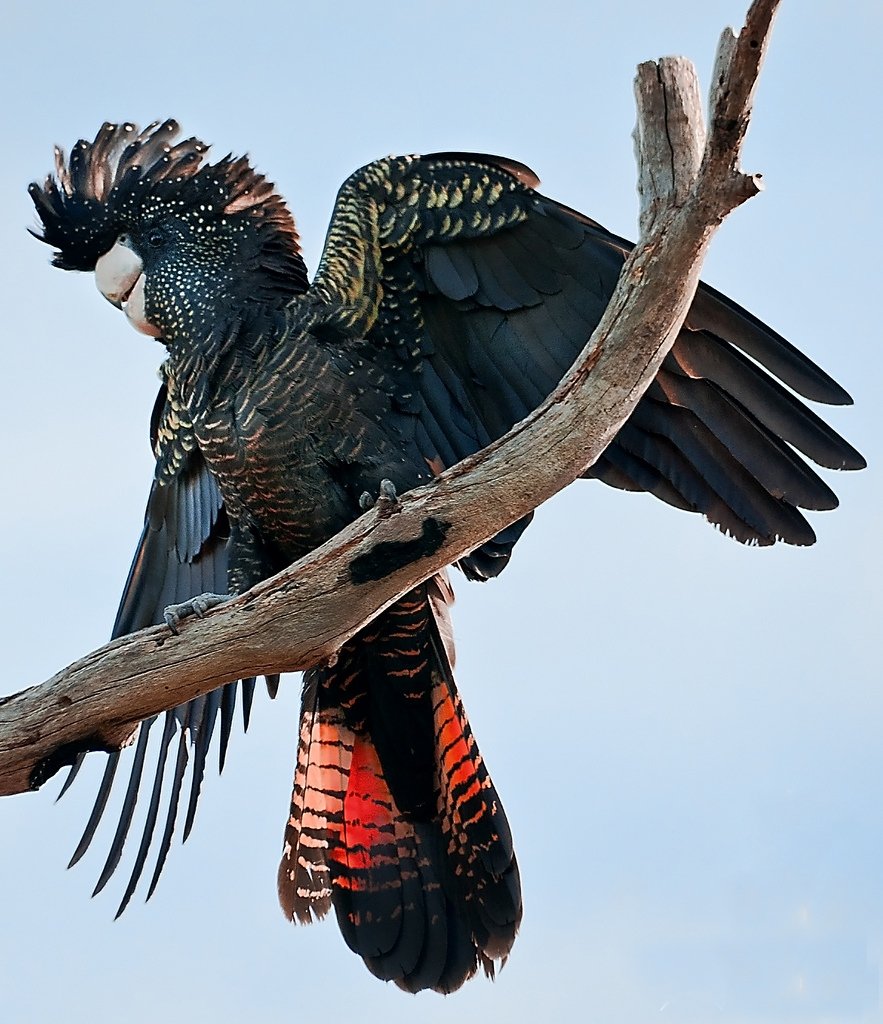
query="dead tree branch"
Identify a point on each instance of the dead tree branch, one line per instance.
(689, 180)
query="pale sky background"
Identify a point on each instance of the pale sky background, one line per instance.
(685, 732)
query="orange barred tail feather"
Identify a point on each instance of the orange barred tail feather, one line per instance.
(324, 756)
(477, 835)
(394, 819)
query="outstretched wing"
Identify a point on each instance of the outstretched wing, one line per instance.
(478, 292)
(182, 553)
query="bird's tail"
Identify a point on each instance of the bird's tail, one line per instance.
(394, 819)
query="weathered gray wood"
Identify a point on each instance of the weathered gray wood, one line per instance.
(689, 183)
(667, 92)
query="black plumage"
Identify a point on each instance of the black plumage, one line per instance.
(450, 299)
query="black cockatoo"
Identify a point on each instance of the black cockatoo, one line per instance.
(450, 299)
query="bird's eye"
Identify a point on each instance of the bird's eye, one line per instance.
(154, 238)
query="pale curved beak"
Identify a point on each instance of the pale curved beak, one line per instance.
(120, 279)
(117, 272)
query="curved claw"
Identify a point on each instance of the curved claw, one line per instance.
(198, 606)
(387, 501)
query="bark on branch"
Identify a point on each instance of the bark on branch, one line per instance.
(689, 180)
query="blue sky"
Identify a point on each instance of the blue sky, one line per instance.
(700, 825)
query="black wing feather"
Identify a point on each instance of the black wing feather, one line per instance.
(781, 472)
(104, 789)
(152, 813)
(717, 315)
(129, 801)
(181, 760)
(202, 738)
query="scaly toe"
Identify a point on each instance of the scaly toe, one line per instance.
(198, 606)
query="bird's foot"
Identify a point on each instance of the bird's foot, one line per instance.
(387, 502)
(198, 606)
